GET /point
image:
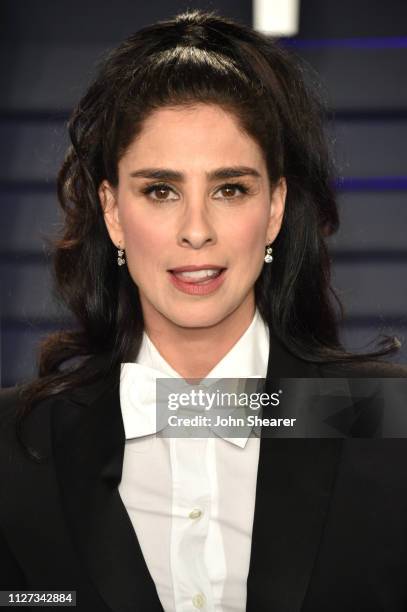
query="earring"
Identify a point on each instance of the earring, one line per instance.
(120, 256)
(268, 257)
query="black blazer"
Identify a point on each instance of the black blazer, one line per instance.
(330, 521)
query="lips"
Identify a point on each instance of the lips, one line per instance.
(192, 268)
(197, 274)
(199, 281)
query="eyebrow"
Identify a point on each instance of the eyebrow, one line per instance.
(166, 174)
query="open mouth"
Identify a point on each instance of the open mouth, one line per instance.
(198, 276)
(198, 282)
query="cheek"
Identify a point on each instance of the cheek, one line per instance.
(144, 241)
(252, 237)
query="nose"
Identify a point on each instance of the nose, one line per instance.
(196, 229)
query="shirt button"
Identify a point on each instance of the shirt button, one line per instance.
(198, 600)
(195, 513)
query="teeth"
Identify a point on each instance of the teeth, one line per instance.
(198, 274)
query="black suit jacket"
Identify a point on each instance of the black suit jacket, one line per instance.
(330, 520)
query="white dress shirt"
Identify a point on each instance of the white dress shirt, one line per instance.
(191, 500)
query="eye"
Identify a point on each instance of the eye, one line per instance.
(233, 187)
(160, 188)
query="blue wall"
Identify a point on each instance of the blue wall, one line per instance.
(49, 52)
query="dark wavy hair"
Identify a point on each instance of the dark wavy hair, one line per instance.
(195, 57)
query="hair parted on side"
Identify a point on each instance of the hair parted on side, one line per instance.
(197, 56)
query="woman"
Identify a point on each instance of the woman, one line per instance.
(197, 200)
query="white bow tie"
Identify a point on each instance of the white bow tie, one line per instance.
(138, 401)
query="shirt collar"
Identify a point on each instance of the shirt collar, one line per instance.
(247, 358)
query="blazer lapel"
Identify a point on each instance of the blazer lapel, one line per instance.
(88, 439)
(294, 484)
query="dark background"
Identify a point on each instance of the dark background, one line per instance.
(49, 50)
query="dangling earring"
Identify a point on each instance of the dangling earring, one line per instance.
(120, 256)
(268, 257)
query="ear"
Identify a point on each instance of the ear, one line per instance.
(277, 207)
(108, 201)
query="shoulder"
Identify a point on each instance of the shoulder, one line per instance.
(363, 369)
(11, 403)
(10, 396)
(97, 375)
(12, 408)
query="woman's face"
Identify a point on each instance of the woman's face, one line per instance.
(193, 190)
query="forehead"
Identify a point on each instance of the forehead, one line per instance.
(199, 134)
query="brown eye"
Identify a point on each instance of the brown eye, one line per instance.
(160, 191)
(229, 191)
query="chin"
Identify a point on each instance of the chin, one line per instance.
(197, 319)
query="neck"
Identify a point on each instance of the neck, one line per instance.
(194, 351)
